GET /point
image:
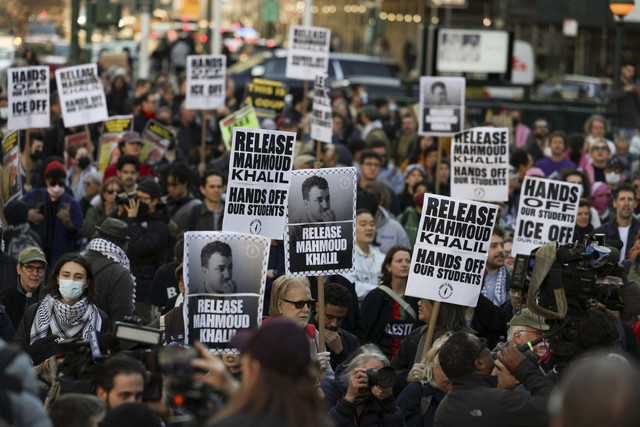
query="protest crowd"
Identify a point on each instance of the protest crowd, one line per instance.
(96, 236)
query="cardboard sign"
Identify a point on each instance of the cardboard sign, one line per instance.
(480, 164)
(441, 105)
(81, 94)
(451, 250)
(206, 81)
(259, 175)
(224, 279)
(243, 118)
(322, 118)
(155, 141)
(28, 96)
(308, 52)
(267, 97)
(320, 234)
(11, 187)
(546, 213)
(112, 131)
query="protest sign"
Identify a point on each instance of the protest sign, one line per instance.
(11, 188)
(441, 105)
(28, 96)
(79, 139)
(320, 233)
(206, 82)
(82, 99)
(220, 299)
(243, 118)
(451, 250)
(156, 138)
(112, 131)
(546, 213)
(480, 164)
(308, 52)
(266, 96)
(322, 118)
(259, 175)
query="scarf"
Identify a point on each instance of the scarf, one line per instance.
(114, 253)
(500, 293)
(64, 320)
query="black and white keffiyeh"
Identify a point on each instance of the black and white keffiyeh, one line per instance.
(114, 253)
(66, 321)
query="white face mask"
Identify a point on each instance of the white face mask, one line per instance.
(70, 289)
(547, 152)
(612, 178)
(4, 112)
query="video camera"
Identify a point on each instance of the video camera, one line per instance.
(123, 199)
(561, 283)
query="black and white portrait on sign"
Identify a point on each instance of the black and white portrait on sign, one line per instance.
(442, 105)
(315, 196)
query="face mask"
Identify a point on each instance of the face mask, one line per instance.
(547, 152)
(4, 113)
(364, 96)
(393, 108)
(70, 289)
(612, 178)
(83, 162)
(143, 209)
(581, 191)
(601, 204)
(36, 155)
(55, 192)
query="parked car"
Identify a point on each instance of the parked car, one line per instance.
(379, 76)
(572, 87)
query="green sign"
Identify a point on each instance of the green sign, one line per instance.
(270, 11)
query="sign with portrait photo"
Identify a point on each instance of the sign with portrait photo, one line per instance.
(28, 96)
(112, 131)
(441, 105)
(224, 279)
(451, 249)
(320, 232)
(480, 164)
(156, 138)
(82, 99)
(308, 52)
(547, 212)
(259, 175)
(206, 82)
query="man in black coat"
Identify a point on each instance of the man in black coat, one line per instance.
(8, 265)
(625, 226)
(32, 266)
(114, 282)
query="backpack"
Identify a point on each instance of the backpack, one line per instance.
(18, 239)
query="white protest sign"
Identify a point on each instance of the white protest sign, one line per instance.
(322, 118)
(480, 164)
(220, 299)
(259, 175)
(206, 81)
(308, 52)
(441, 105)
(28, 90)
(320, 232)
(546, 213)
(451, 250)
(82, 99)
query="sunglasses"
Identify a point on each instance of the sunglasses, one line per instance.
(300, 304)
(112, 191)
(600, 148)
(53, 184)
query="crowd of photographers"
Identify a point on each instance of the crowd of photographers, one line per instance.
(83, 250)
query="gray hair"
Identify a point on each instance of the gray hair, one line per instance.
(512, 331)
(432, 361)
(360, 357)
(96, 177)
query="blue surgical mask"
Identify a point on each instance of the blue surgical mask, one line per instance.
(364, 96)
(70, 289)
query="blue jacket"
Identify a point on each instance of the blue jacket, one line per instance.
(61, 241)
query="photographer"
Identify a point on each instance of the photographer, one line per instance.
(149, 235)
(351, 397)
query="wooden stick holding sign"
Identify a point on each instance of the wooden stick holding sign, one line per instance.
(438, 163)
(27, 150)
(203, 143)
(432, 328)
(321, 281)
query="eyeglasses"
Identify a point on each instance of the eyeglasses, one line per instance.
(112, 191)
(600, 148)
(483, 344)
(31, 268)
(300, 304)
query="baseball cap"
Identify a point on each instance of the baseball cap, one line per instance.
(31, 253)
(527, 318)
(53, 166)
(279, 345)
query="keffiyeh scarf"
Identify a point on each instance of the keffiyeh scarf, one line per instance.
(500, 292)
(64, 320)
(114, 253)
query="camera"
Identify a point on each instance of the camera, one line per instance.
(123, 199)
(384, 377)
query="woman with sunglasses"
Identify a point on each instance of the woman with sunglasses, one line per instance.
(98, 213)
(68, 310)
(291, 298)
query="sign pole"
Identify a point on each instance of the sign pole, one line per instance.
(203, 141)
(431, 330)
(321, 282)
(438, 162)
(28, 159)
